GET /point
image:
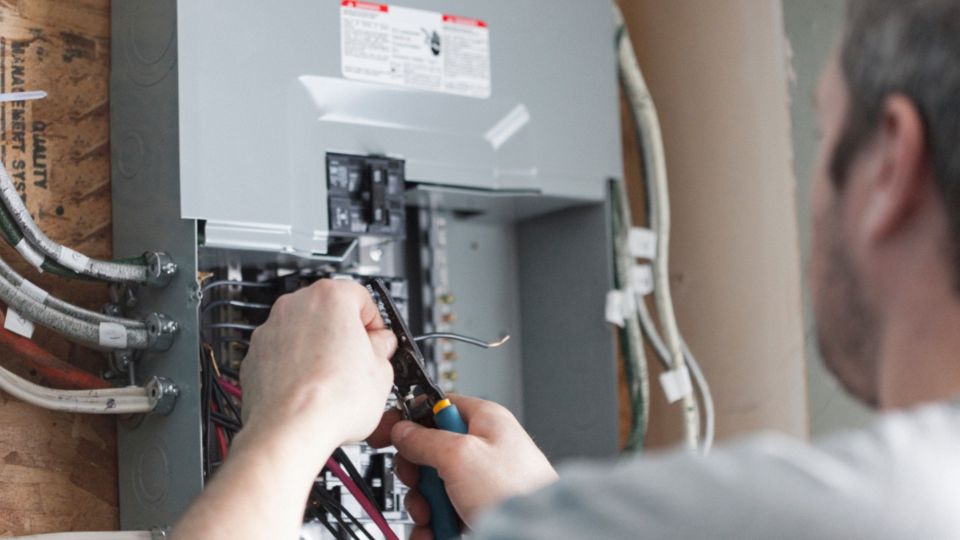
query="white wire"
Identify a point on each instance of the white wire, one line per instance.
(128, 400)
(709, 427)
(703, 387)
(109, 535)
(655, 169)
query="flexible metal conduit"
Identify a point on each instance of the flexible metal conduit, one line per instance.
(105, 270)
(102, 334)
(71, 310)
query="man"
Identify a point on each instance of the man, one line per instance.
(886, 283)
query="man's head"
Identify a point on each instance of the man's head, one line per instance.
(886, 200)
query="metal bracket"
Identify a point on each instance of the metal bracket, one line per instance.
(165, 392)
(160, 268)
(161, 331)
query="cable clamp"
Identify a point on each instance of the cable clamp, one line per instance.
(163, 394)
(641, 280)
(18, 324)
(160, 331)
(32, 256)
(676, 384)
(160, 268)
(642, 243)
(620, 306)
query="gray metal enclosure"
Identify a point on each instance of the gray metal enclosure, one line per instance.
(222, 113)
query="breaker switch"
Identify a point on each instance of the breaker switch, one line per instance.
(365, 196)
(379, 212)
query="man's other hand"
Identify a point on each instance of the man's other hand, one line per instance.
(496, 460)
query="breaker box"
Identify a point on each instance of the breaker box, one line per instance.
(458, 149)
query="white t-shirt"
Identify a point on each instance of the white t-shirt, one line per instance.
(900, 479)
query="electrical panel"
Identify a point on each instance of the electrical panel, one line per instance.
(458, 150)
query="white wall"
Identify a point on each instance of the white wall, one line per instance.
(718, 72)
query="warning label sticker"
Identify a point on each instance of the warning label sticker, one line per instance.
(414, 48)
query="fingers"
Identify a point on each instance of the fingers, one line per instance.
(380, 437)
(384, 343)
(417, 508)
(333, 289)
(421, 533)
(470, 406)
(425, 446)
(407, 472)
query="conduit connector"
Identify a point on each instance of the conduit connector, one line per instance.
(160, 331)
(160, 268)
(164, 393)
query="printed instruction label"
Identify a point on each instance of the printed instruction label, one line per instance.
(413, 48)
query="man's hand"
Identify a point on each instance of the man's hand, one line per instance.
(494, 461)
(317, 375)
(324, 350)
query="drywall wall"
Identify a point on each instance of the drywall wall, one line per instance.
(719, 74)
(813, 28)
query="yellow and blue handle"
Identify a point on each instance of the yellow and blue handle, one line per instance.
(444, 521)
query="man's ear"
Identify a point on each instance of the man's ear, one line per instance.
(904, 173)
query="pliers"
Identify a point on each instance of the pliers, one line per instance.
(422, 401)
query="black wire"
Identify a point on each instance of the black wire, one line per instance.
(229, 402)
(342, 458)
(239, 304)
(230, 372)
(225, 421)
(324, 497)
(342, 530)
(323, 521)
(231, 283)
(242, 327)
(205, 412)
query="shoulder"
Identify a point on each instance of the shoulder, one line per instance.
(898, 479)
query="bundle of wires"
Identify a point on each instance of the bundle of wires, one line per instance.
(672, 350)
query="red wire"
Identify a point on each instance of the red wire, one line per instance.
(230, 388)
(337, 471)
(46, 365)
(365, 503)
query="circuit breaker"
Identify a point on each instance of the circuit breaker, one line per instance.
(458, 150)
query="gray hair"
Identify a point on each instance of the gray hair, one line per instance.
(910, 48)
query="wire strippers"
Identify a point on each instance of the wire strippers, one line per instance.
(422, 401)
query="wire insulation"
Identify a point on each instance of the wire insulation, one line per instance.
(365, 503)
(129, 400)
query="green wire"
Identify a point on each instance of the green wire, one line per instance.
(638, 428)
(12, 234)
